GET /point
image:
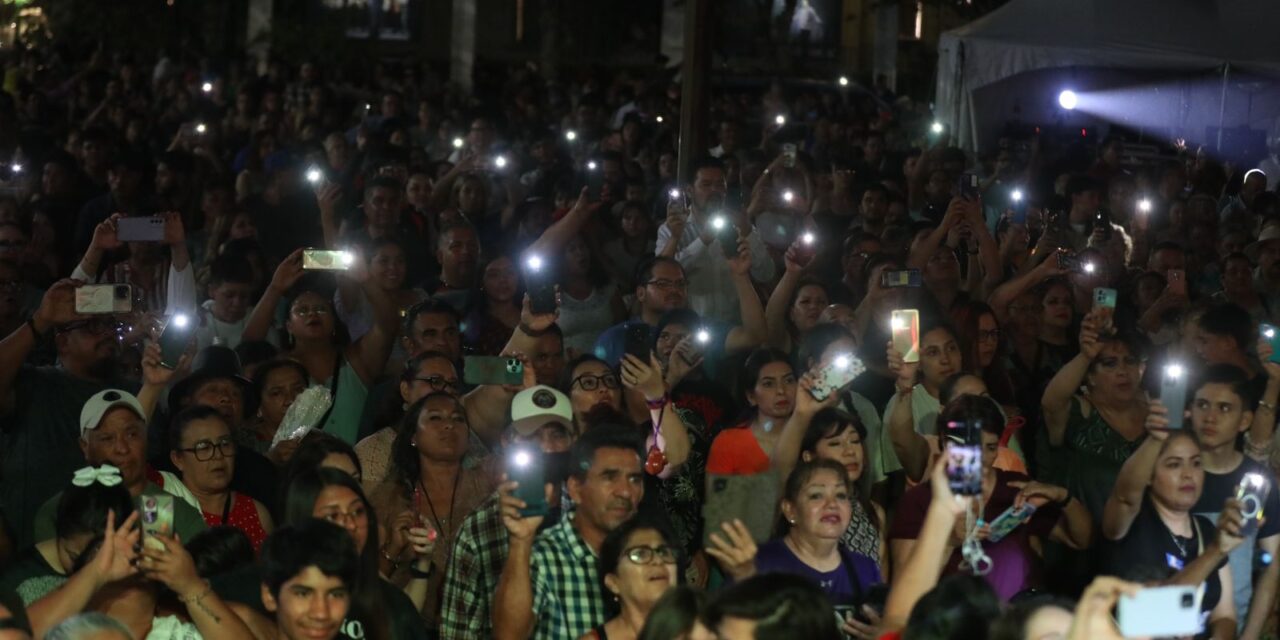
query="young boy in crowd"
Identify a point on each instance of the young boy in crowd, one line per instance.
(308, 571)
(223, 315)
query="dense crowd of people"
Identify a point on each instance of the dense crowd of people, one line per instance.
(292, 353)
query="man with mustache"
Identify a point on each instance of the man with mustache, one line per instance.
(549, 586)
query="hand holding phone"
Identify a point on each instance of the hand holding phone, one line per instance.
(324, 260)
(174, 339)
(104, 299)
(1160, 612)
(638, 340)
(835, 375)
(492, 370)
(156, 518)
(525, 466)
(1252, 493)
(905, 325)
(1173, 393)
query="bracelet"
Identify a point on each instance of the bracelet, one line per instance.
(395, 564)
(31, 322)
(196, 598)
(654, 405)
(415, 572)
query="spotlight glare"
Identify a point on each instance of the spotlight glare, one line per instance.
(206, 87)
(1016, 196)
(571, 135)
(1144, 205)
(936, 127)
(1068, 99)
(780, 120)
(844, 81)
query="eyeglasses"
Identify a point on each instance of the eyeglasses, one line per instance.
(311, 311)
(989, 336)
(588, 382)
(663, 283)
(438, 383)
(204, 450)
(645, 555)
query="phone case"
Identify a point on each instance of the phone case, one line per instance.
(1173, 394)
(1103, 297)
(1272, 334)
(638, 340)
(1160, 612)
(157, 518)
(1178, 281)
(1252, 492)
(531, 477)
(905, 324)
(323, 260)
(964, 469)
(173, 342)
(901, 278)
(1006, 522)
(752, 499)
(478, 370)
(148, 229)
(103, 299)
(832, 377)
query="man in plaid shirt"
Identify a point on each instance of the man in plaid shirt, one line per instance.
(541, 417)
(550, 588)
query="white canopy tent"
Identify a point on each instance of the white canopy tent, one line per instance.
(1146, 36)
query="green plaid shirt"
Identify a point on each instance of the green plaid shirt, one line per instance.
(567, 600)
(479, 551)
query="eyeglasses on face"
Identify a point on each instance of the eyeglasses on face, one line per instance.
(645, 555)
(588, 382)
(204, 450)
(438, 383)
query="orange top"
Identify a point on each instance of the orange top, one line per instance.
(735, 452)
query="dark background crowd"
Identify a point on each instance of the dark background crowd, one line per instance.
(706, 371)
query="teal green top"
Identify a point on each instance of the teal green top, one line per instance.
(348, 404)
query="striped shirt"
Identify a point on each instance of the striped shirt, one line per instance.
(567, 601)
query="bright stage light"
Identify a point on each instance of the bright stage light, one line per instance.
(1068, 99)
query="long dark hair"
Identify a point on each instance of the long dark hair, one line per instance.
(829, 423)
(407, 467)
(299, 506)
(755, 363)
(966, 315)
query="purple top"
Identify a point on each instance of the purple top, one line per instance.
(775, 557)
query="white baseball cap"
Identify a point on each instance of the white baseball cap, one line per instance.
(97, 406)
(536, 406)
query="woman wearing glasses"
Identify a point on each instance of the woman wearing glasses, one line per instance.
(314, 337)
(204, 452)
(637, 566)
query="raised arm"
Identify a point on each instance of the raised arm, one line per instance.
(374, 347)
(786, 453)
(775, 312)
(263, 314)
(328, 197)
(513, 600)
(553, 240)
(911, 448)
(923, 249)
(753, 330)
(173, 567)
(1058, 394)
(57, 308)
(1126, 497)
(114, 561)
(672, 436)
(920, 571)
(104, 240)
(1006, 293)
(443, 190)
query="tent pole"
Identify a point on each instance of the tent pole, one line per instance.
(1222, 104)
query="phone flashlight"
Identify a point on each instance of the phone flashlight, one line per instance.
(897, 323)
(591, 166)
(807, 237)
(1016, 196)
(788, 196)
(500, 162)
(457, 143)
(1088, 267)
(936, 127)
(1173, 371)
(718, 223)
(844, 81)
(703, 336)
(1269, 332)
(571, 135)
(346, 257)
(200, 128)
(1144, 205)
(658, 119)
(314, 175)
(780, 120)
(841, 362)
(521, 459)
(207, 87)
(16, 167)
(181, 320)
(534, 263)
(368, 107)
(674, 193)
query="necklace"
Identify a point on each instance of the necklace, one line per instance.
(1182, 548)
(453, 494)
